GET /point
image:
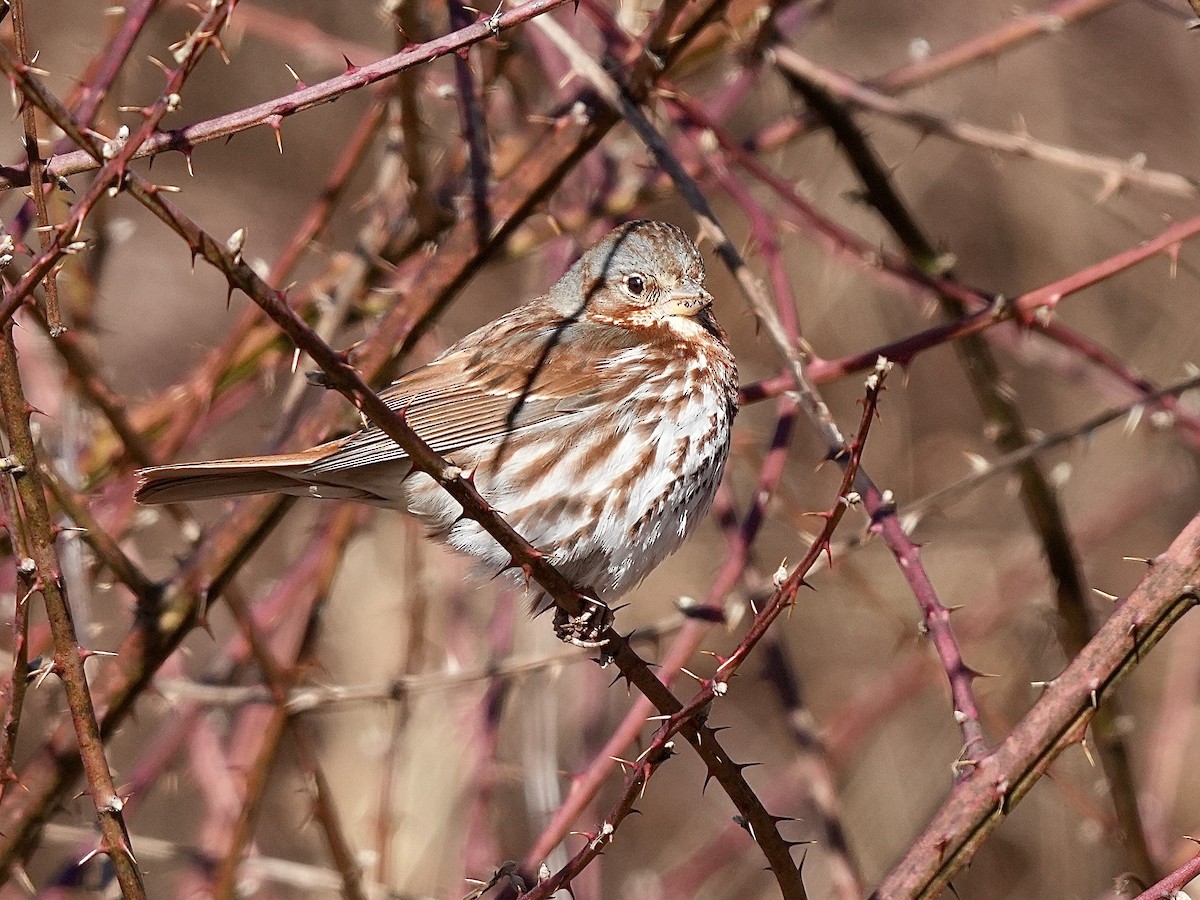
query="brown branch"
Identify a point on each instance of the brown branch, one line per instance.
(14, 690)
(68, 662)
(978, 804)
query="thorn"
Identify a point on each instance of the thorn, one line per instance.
(1111, 598)
(300, 85)
(39, 671)
(160, 64)
(1087, 751)
(275, 123)
(85, 653)
(351, 68)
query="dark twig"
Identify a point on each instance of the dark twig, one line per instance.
(473, 122)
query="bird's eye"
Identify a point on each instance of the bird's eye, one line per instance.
(635, 284)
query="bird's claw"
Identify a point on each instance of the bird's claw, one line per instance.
(587, 629)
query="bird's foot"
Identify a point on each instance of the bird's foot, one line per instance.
(587, 629)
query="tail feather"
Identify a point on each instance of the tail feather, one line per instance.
(281, 474)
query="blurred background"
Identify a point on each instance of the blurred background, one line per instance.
(438, 721)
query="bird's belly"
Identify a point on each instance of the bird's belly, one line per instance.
(605, 501)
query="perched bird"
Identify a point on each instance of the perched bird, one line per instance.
(596, 419)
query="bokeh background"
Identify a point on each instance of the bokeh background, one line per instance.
(446, 724)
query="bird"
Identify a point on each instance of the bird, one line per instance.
(596, 419)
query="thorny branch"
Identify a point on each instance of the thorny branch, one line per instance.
(423, 280)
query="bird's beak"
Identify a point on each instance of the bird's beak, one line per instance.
(690, 301)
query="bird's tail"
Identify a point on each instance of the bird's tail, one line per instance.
(283, 473)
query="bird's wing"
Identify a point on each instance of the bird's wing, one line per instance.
(515, 378)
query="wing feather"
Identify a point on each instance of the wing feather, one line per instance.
(464, 398)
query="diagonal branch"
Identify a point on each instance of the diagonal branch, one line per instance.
(979, 803)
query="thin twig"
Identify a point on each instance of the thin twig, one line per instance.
(1114, 172)
(36, 166)
(474, 127)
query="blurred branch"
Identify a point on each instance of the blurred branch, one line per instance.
(987, 469)
(406, 127)
(279, 680)
(287, 873)
(1017, 30)
(471, 114)
(1113, 172)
